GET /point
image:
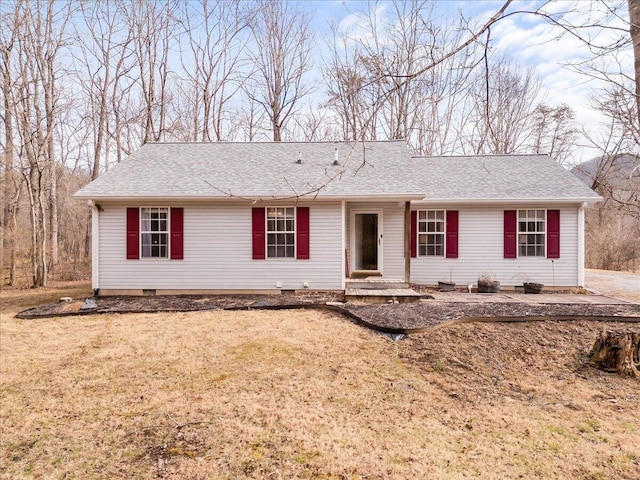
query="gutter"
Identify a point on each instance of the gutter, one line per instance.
(502, 201)
(395, 197)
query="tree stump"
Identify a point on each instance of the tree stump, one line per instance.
(617, 352)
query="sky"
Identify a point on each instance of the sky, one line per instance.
(528, 39)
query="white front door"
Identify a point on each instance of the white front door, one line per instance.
(366, 241)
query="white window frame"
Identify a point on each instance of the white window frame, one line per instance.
(531, 220)
(422, 232)
(150, 231)
(273, 250)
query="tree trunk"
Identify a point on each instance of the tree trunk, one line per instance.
(634, 30)
(8, 220)
(617, 352)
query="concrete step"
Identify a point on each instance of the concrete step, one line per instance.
(377, 285)
(401, 295)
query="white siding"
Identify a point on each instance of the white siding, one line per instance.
(393, 236)
(480, 252)
(218, 253)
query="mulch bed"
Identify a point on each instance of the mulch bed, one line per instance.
(410, 316)
(403, 317)
(176, 303)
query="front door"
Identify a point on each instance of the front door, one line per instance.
(367, 240)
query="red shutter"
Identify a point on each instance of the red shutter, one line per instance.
(414, 234)
(133, 233)
(452, 234)
(553, 233)
(302, 233)
(177, 236)
(510, 234)
(258, 227)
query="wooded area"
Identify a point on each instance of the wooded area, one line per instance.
(86, 83)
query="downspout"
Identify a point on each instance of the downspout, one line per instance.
(343, 235)
(407, 242)
(581, 244)
(95, 246)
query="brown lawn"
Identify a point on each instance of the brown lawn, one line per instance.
(302, 394)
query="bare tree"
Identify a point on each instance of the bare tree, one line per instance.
(634, 31)
(503, 101)
(607, 29)
(282, 46)
(404, 75)
(152, 27)
(615, 173)
(553, 131)
(103, 48)
(347, 86)
(9, 31)
(216, 65)
(38, 44)
(391, 54)
(312, 125)
(249, 122)
(32, 148)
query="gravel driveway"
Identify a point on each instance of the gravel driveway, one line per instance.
(615, 284)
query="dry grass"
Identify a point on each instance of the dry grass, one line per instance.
(16, 299)
(299, 394)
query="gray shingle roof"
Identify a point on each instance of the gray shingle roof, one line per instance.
(266, 170)
(497, 177)
(369, 169)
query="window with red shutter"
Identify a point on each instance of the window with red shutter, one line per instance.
(553, 233)
(414, 234)
(302, 233)
(258, 225)
(177, 227)
(452, 234)
(510, 234)
(159, 230)
(431, 233)
(133, 233)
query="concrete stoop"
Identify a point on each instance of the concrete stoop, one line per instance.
(378, 290)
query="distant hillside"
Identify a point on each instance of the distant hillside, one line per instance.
(620, 172)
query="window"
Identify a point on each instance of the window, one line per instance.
(531, 233)
(154, 232)
(281, 232)
(431, 232)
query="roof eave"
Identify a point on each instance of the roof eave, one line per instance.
(532, 201)
(264, 198)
